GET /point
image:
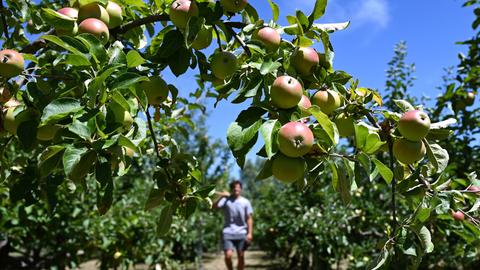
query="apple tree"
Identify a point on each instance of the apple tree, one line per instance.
(78, 104)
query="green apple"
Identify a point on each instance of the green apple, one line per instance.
(408, 152)
(295, 139)
(233, 6)
(304, 60)
(224, 64)
(47, 132)
(288, 170)
(203, 39)
(11, 63)
(345, 125)
(115, 14)
(93, 10)
(414, 125)
(286, 92)
(327, 100)
(181, 11)
(95, 27)
(269, 37)
(156, 90)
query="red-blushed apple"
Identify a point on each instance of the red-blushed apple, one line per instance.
(414, 125)
(203, 39)
(47, 132)
(95, 27)
(295, 139)
(327, 100)
(286, 92)
(69, 12)
(345, 125)
(458, 215)
(474, 189)
(224, 64)
(156, 90)
(115, 14)
(233, 6)
(304, 60)
(408, 152)
(288, 170)
(269, 37)
(11, 63)
(304, 104)
(93, 10)
(181, 11)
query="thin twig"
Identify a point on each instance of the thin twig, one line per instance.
(218, 38)
(150, 127)
(242, 43)
(4, 20)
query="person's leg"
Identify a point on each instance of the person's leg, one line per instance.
(228, 259)
(241, 259)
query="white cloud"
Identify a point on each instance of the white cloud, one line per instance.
(373, 12)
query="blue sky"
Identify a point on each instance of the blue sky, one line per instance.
(430, 28)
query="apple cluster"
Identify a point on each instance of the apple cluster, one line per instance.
(92, 18)
(414, 126)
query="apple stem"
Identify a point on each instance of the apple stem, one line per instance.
(4, 21)
(218, 38)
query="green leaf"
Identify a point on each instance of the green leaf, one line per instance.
(83, 129)
(165, 220)
(77, 60)
(423, 214)
(180, 61)
(403, 105)
(318, 11)
(155, 198)
(49, 159)
(380, 260)
(269, 130)
(95, 47)
(26, 133)
(134, 59)
(327, 125)
(364, 160)
(275, 10)
(425, 238)
(437, 156)
(103, 174)
(127, 79)
(77, 162)
(59, 109)
(266, 170)
(57, 20)
(58, 41)
(384, 171)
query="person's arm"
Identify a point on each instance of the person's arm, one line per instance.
(250, 228)
(221, 195)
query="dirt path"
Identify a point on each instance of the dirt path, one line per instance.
(254, 259)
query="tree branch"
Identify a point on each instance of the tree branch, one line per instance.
(139, 22)
(219, 42)
(237, 38)
(150, 127)
(4, 21)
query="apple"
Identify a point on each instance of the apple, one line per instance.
(408, 152)
(474, 189)
(286, 92)
(203, 39)
(345, 125)
(47, 132)
(181, 11)
(295, 139)
(121, 115)
(327, 100)
(93, 10)
(288, 170)
(304, 104)
(470, 99)
(11, 63)
(115, 14)
(224, 64)
(128, 151)
(95, 27)
(304, 60)
(414, 125)
(458, 215)
(69, 12)
(156, 90)
(269, 37)
(9, 121)
(233, 6)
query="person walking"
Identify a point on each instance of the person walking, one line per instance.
(237, 230)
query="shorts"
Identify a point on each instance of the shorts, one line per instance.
(238, 244)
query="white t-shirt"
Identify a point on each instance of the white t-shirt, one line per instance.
(236, 212)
